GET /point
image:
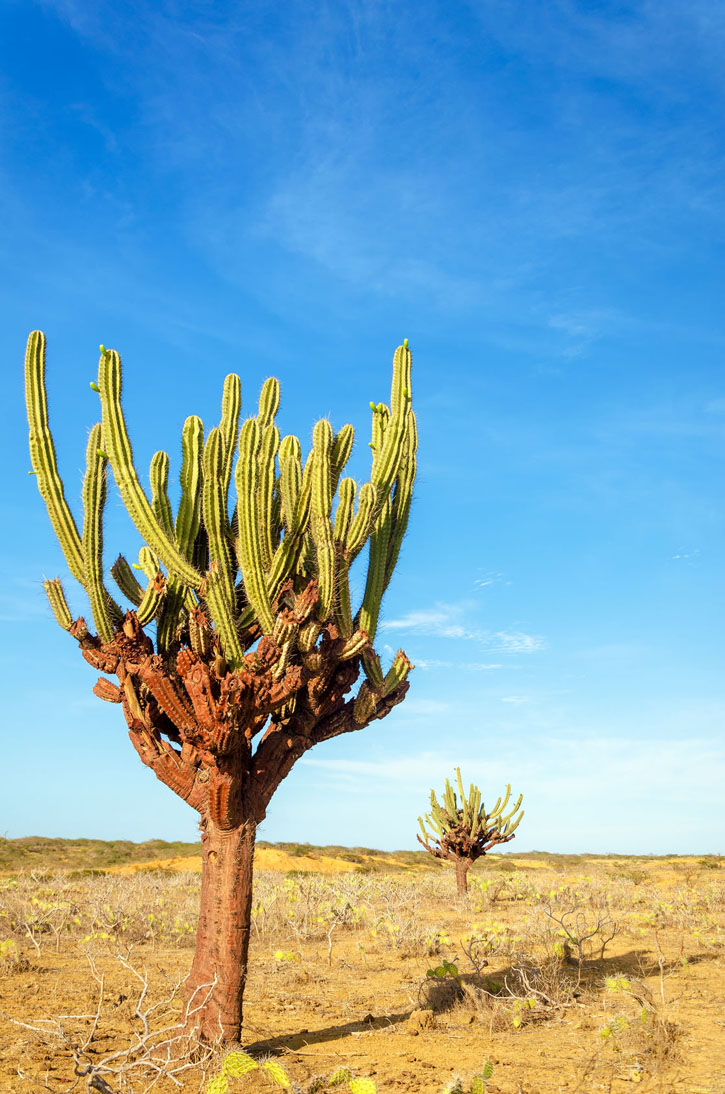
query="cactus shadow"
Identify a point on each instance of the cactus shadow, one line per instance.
(304, 1037)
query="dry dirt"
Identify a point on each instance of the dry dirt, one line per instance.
(338, 965)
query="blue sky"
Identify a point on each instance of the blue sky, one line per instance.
(533, 195)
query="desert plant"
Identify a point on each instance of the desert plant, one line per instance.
(464, 833)
(255, 636)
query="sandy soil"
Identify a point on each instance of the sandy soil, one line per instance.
(338, 967)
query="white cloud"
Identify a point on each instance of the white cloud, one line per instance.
(444, 621)
(428, 663)
(515, 699)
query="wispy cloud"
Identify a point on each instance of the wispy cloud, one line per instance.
(445, 621)
(432, 663)
(646, 774)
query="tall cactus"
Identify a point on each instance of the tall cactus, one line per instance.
(256, 646)
(465, 832)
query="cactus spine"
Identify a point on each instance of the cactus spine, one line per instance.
(465, 832)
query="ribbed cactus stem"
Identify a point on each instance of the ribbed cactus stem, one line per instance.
(214, 590)
(215, 514)
(320, 522)
(402, 497)
(43, 458)
(125, 578)
(362, 521)
(94, 500)
(188, 514)
(345, 506)
(249, 547)
(265, 491)
(229, 428)
(148, 562)
(290, 465)
(160, 504)
(57, 601)
(151, 600)
(397, 673)
(342, 606)
(375, 584)
(116, 438)
(269, 398)
(373, 670)
(341, 450)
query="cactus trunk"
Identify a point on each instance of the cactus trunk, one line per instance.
(219, 972)
(463, 865)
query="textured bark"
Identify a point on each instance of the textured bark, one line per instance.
(219, 970)
(463, 865)
(193, 722)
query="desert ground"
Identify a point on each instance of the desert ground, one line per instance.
(555, 973)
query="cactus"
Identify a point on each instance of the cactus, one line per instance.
(465, 832)
(257, 647)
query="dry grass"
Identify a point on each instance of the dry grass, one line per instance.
(588, 980)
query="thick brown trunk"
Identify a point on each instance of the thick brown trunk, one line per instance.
(463, 865)
(219, 971)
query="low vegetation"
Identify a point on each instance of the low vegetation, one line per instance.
(551, 974)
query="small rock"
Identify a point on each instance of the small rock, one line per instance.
(420, 1020)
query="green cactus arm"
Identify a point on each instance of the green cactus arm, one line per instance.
(345, 505)
(386, 460)
(321, 524)
(380, 421)
(56, 598)
(43, 458)
(116, 438)
(94, 500)
(450, 800)
(373, 671)
(188, 515)
(215, 515)
(516, 807)
(125, 578)
(397, 672)
(500, 805)
(277, 524)
(148, 562)
(511, 828)
(160, 504)
(268, 402)
(171, 608)
(152, 598)
(343, 519)
(403, 496)
(249, 549)
(375, 583)
(265, 490)
(400, 387)
(229, 428)
(215, 593)
(356, 644)
(290, 466)
(342, 609)
(464, 801)
(362, 521)
(341, 449)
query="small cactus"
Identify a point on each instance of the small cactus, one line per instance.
(465, 832)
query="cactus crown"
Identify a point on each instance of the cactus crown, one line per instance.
(468, 829)
(254, 528)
